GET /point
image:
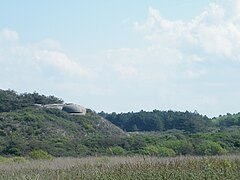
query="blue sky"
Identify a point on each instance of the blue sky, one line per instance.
(124, 55)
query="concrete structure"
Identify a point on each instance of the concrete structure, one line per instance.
(74, 109)
(70, 108)
(54, 106)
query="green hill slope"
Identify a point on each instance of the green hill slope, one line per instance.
(24, 128)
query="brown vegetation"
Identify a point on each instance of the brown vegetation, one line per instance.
(218, 167)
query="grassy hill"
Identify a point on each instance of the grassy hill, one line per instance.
(24, 128)
(27, 130)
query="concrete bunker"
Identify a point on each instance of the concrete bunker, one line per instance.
(74, 109)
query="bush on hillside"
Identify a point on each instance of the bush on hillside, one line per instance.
(208, 147)
(158, 151)
(40, 154)
(116, 150)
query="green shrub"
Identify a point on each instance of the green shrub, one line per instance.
(150, 150)
(181, 147)
(209, 148)
(40, 154)
(116, 150)
(158, 151)
(166, 152)
(14, 151)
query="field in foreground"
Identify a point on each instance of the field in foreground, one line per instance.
(218, 167)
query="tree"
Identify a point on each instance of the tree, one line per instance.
(208, 147)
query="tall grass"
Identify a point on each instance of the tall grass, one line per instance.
(218, 167)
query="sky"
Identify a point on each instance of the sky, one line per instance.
(124, 56)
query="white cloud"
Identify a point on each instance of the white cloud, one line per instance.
(50, 44)
(213, 33)
(9, 35)
(41, 68)
(59, 60)
(126, 71)
(40, 57)
(233, 7)
(154, 63)
(194, 73)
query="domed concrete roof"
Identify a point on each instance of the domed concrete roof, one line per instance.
(73, 108)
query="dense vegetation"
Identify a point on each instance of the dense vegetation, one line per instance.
(10, 100)
(125, 168)
(160, 121)
(169, 133)
(228, 120)
(27, 130)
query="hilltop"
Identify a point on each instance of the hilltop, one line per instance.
(25, 127)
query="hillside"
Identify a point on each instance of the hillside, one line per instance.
(24, 127)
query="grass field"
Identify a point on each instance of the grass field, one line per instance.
(218, 167)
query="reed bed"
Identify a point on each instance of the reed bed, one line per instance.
(124, 168)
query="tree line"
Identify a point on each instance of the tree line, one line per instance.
(159, 121)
